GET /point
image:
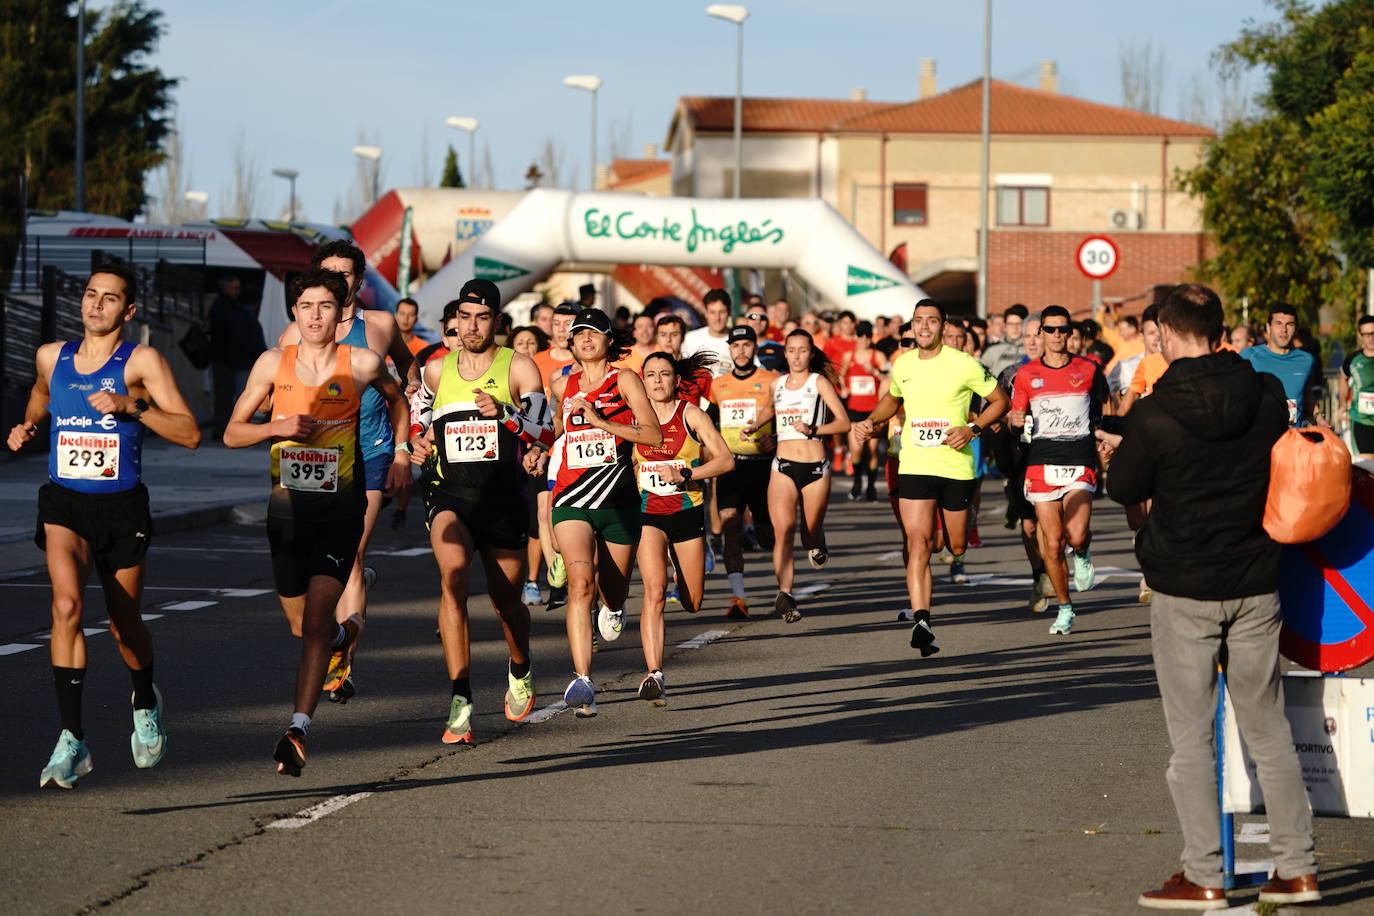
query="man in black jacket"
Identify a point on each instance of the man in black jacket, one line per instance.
(1199, 447)
(236, 342)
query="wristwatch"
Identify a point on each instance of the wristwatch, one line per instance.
(140, 408)
(686, 473)
(975, 429)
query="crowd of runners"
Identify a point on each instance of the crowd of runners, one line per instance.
(582, 447)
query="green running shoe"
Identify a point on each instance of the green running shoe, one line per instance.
(459, 727)
(558, 573)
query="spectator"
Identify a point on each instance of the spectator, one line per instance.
(1199, 448)
(1009, 351)
(236, 342)
(996, 328)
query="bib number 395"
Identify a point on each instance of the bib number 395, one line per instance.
(310, 470)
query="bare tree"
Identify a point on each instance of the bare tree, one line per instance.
(551, 161)
(242, 196)
(619, 138)
(172, 182)
(1142, 74)
(488, 174)
(1217, 98)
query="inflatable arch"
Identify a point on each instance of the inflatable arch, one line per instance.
(551, 227)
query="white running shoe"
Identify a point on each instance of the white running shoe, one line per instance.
(610, 623)
(580, 697)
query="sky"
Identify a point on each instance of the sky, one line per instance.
(295, 85)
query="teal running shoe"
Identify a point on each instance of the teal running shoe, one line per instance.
(70, 761)
(149, 740)
(1063, 624)
(1083, 571)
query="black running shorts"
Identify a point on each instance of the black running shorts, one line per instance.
(502, 522)
(685, 525)
(302, 550)
(952, 495)
(1363, 434)
(117, 526)
(746, 485)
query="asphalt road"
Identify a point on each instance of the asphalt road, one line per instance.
(816, 767)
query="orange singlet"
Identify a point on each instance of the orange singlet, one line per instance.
(316, 478)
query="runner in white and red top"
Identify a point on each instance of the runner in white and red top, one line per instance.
(860, 375)
(1057, 400)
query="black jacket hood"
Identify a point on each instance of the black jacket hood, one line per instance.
(1214, 397)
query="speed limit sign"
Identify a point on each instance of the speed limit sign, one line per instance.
(1097, 257)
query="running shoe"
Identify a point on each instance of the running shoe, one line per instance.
(1147, 594)
(945, 557)
(1041, 592)
(786, 606)
(1063, 624)
(670, 595)
(922, 636)
(710, 558)
(819, 556)
(340, 667)
(149, 738)
(558, 596)
(519, 695)
(717, 544)
(458, 729)
(956, 572)
(531, 593)
(580, 697)
(652, 689)
(290, 753)
(558, 573)
(610, 623)
(856, 493)
(871, 494)
(70, 761)
(905, 614)
(345, 692)
(398, 520)
(1083, 571)
(973, 538)
(739, 608)
(369, 578)
(751, 540)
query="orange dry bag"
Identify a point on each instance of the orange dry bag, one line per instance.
(1309, 485)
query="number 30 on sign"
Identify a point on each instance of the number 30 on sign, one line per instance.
(1097, 257)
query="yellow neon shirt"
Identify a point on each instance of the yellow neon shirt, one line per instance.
(936, 393)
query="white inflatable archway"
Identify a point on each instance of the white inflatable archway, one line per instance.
(805, 236)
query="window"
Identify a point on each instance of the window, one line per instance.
(1023, 206)
(909, 205)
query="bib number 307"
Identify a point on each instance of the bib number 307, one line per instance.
(310, 470)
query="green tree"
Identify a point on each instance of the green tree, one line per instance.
(1289, 196)
(127, 108)
(451, 178)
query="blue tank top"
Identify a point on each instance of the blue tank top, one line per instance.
(91, 452)
(374, 426)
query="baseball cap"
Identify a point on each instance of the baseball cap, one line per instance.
(483, 291)
(567, 308)
(742, 332)
(595, 319)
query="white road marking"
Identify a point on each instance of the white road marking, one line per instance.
(85, 631)
(701, 639)
(993, 579)
(150, 616)
(810, 589)
(547, 713)
(1253, 833)
(1262, 866)
(890, 555)
(241, 592)
(315, 812)
(407, 552)
(1106, 572)
(188, 605)
(14, 648)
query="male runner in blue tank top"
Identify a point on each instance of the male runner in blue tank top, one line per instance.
(375, 329)
(100, 392)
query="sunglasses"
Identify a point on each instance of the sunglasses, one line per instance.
(908, 341)
(755, 316)
(1055, 328)
(451, 332)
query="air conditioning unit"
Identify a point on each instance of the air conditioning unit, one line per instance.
(1127, 219)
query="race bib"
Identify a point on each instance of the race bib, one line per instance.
(309, 470)
(87, 456)
(787, 419)
(929, 432)
(738, 413)
(471, 440)
(653, 477)
(1061, 475)
(862, 385)
(588, 448)
(1292, 412)
(1365, 402)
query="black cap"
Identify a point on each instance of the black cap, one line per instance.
(595, 319)
(567, 308)
(585, 290)
(483, 291)
(742, 332)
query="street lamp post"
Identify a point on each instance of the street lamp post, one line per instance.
(736, 14)
(290, 175)
(987, 145)
(590, 84)
(470, 125)
(80, 195)
(199, 198)
(374, 155)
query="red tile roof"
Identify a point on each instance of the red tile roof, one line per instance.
(1015, 110)
(624, 171)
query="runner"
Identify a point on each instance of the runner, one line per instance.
(100, 392)
(377, 331)
(317, 507)
(807, 408)
(671, 504)
(602, 413)
(934, 385)
(1292, 366)
(552, 363)
(860, 374)
(712, 338)
(1152, 364)
(644, 330)
(768, 352)
(407, 314)
(744, 399)
(1357, 390)
(1062, 396)
(489, 406)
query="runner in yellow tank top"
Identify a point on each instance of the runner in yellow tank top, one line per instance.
(315, 512)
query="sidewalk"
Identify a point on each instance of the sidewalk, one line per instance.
(188, 490)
